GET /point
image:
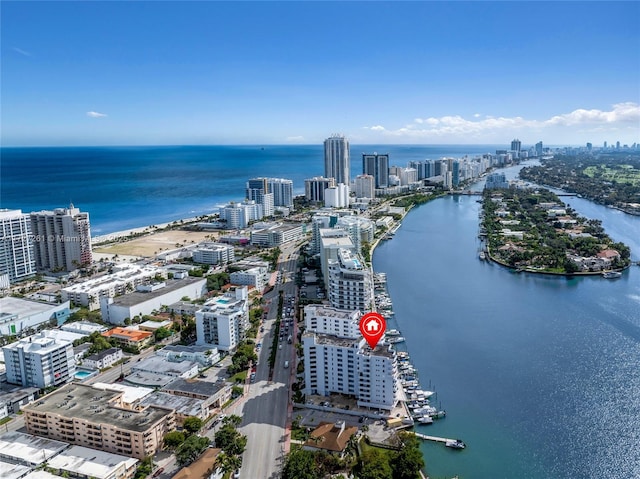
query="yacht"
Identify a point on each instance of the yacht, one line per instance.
(398, 339)
(455, 444)
(611, 274)
(482, 255)
(393, 332)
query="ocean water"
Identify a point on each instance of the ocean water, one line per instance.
(126, 187)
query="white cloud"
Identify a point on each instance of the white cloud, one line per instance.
(21, 51)
(95, 114)
(456, 127)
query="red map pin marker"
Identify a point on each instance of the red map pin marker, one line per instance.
(372, 327)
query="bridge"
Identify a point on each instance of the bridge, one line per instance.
(479, 193)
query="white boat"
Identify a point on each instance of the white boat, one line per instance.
(425, 420)
(482, 255)
(426, 394)
(455, 444)
(611, 274)
(396, 340)
(393, 332)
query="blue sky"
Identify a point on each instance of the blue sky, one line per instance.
(121, 73)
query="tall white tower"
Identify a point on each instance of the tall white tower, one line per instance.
(336, 159)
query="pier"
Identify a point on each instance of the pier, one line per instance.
(433, 438)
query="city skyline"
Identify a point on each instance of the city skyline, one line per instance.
(110, 73)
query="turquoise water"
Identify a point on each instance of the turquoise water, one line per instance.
(82, 374)
(540, 376)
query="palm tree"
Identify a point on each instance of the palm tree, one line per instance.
(227, 463)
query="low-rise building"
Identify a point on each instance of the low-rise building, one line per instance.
(85, 416)
(85, 463)
(86, 328)
(12, 398)
(214, 395)
(28, 450)
(122, 280)
(15, 471)
(103, 359)
(158, 364)
(153, 326)
(130, 338)
(183, 406)
(213, 253)
(149, 298)
(277, 234)
(204, 355)
(256, 277)
(18, 315)
(330, 437)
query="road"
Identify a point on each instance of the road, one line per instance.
(267, 407)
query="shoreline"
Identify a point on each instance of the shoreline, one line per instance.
(133, 233)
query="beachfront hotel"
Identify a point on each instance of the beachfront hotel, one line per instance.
(61, 239)
(85, 416)
(17, 259)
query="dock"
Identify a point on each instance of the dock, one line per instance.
(432, 438)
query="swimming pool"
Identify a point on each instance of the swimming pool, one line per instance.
(82, 374)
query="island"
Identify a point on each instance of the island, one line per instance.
(532, 230)
(610, 178)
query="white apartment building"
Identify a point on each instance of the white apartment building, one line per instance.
(103, 359)
(124, 279)
(350, 282)
(337, 196)
(282, 190)
(17, 258)
(315, 187)
(62, 239)
(327, 320)
(275, 234)
(348, 366)
(365, 186)
(83, 327)
(213, 253)
(223, 321)
(150, 297)
(336, 159)
(39, 361)
(360, 230)
(256, 277)
(331, 241)
(238, 215)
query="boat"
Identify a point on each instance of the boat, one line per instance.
(611, 274)
(393, 332)
(455, 444)
(425, 420)
(396, 340)
(482, 255)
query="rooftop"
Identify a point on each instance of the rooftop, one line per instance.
(160, 365)
(329, 312)
(179, 348)
(128, 334)
(39, 474)
(131, 299)
(156, 324)
(41, 343)
(103, 354)
(123, 273)
(149, 379)
(21, 307)
(92, 405)
(13, 471)
(25, 448)
(182, 405)
(192, 386)
(330, 339)
(84, 326)
(201, 467)
(130, 393)
(332, 437)
(85, 462)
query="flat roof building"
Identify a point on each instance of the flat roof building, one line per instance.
(17, 314)
(85, 328)
(85, 416)
(213, 394)
(182, 405)
(213, 253)
(28, 450)
(224, 320)
(131, 338)
(78, 461)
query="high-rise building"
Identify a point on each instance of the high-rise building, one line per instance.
(539, 148)
(17, 258)
(516, 146)
(336, 159)
(360, 230)
(61, 239)
(315, 187)
(238, 215)
(350, 282)
(258, 191)
(282, 190)
(365, 186)
(223, 321)
(40, 361)
(377, 166)
(337, 196)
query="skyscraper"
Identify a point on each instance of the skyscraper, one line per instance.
(377, 166)
(282, 190)
(539, 148)
(365, 186)
(258, 191)
(515, 147)
(17, 260)
(62, 239)
(336, 159)
(314, 188)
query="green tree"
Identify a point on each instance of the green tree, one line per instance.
(407, 462)
(300, 464)
(230, 440)
(190, 449)
(227, 463)
(374, 465)
(173, 439)
(233, 420)
(161, 333)
(192, 424)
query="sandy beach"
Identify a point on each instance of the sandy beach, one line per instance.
(154, 241)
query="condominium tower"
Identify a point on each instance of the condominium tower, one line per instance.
(62, 239)
(336, 159)
(17, 260)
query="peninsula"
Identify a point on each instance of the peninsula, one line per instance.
(532, 230)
